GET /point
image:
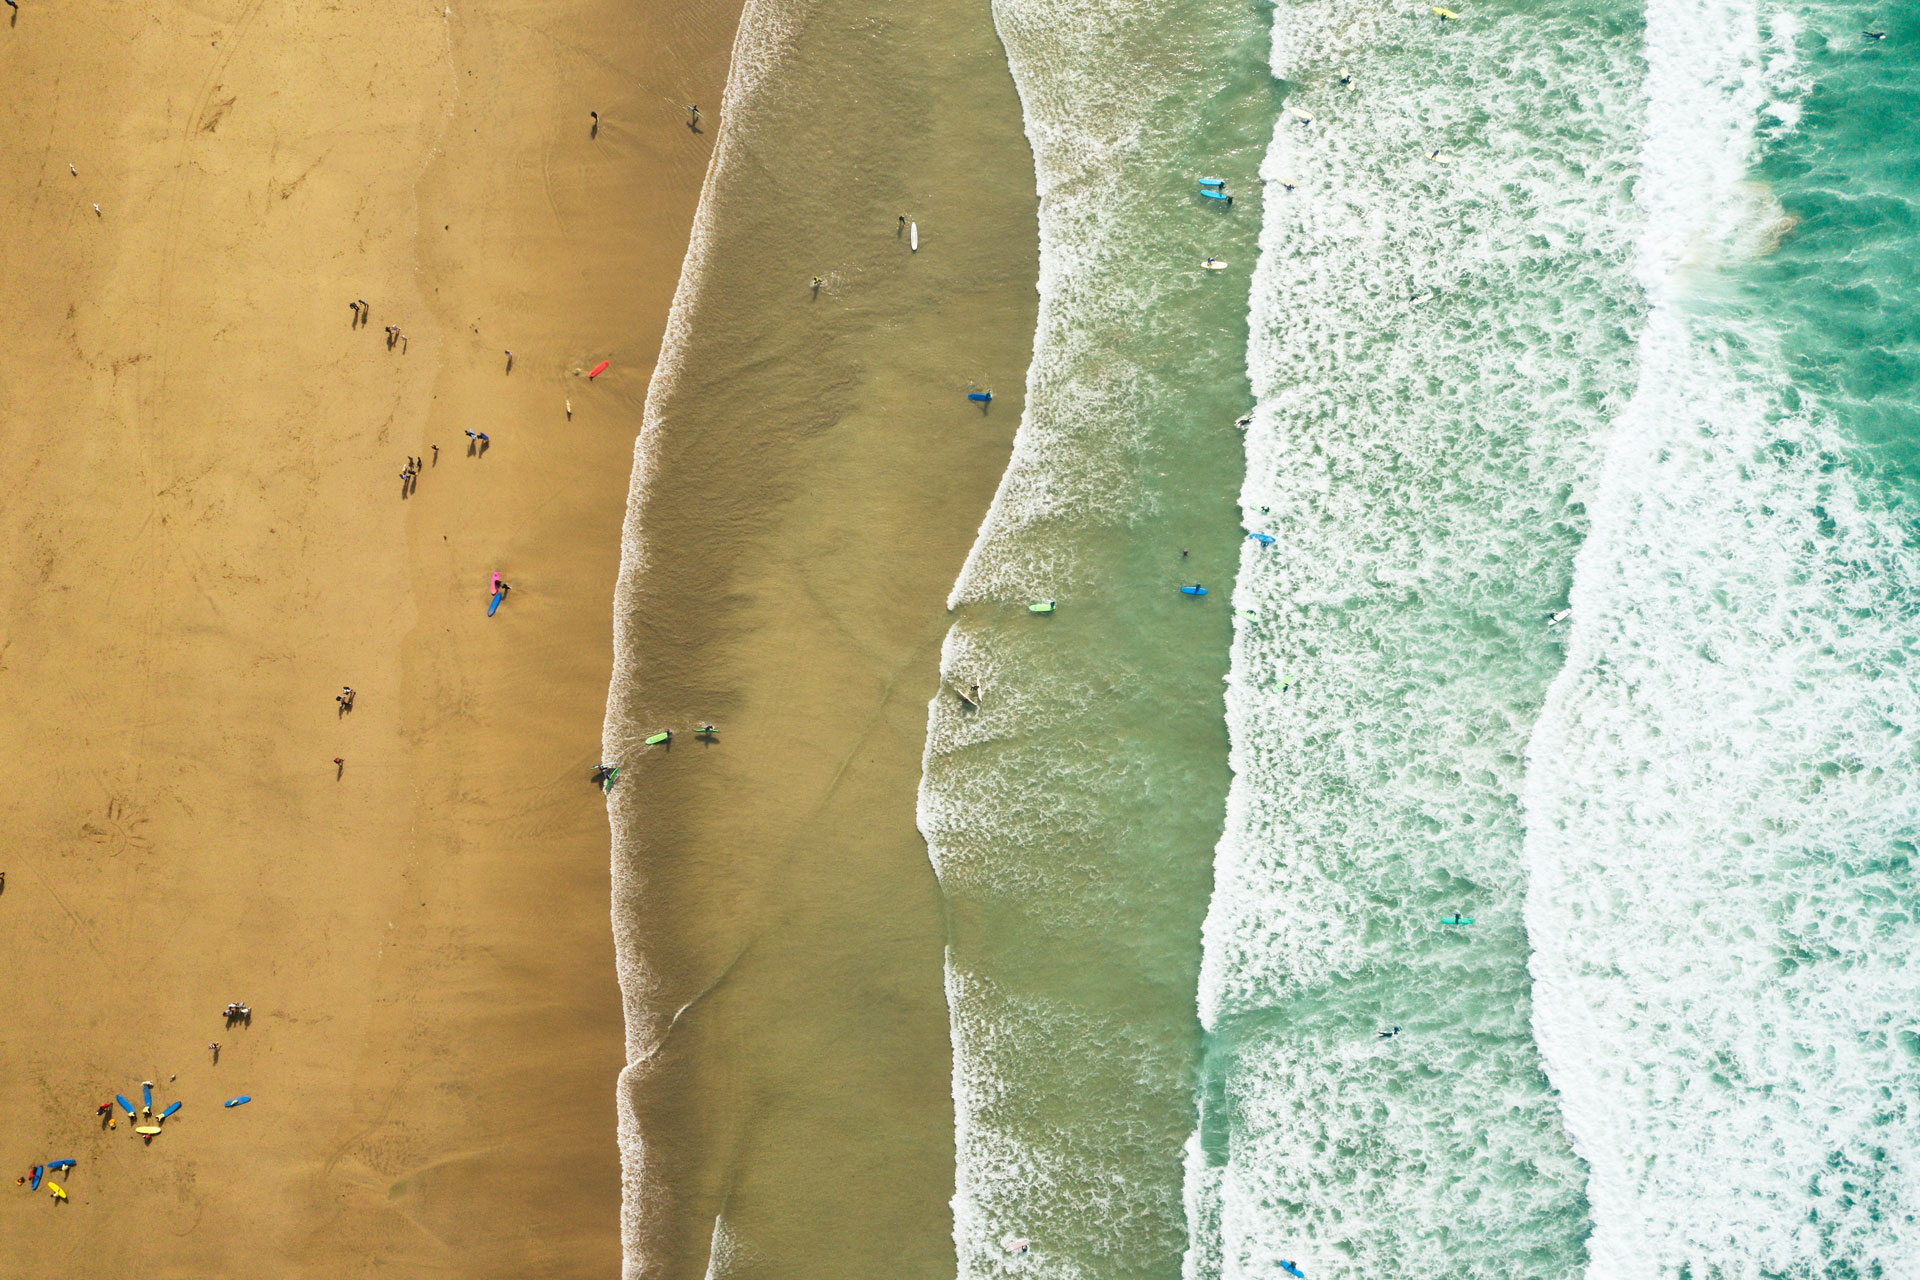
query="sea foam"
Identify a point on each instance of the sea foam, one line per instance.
(1441, 323)
(1721, 801)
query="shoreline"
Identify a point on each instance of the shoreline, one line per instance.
(208, 539)
(812, 479)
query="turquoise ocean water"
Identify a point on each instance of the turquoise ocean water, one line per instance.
(1566, 354)
(1558, 305)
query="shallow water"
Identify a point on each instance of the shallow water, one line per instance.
(1557, 305)
(1070, 816)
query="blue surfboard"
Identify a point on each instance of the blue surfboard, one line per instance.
(1216, 195)
(1195, 590)
(234, 1102)
(498, 596)
(60, 1164)
(1213, 182)
(125, 1106)
(146, 1096)
(169, 1111)
(33, 1181)
(981, 396)
(1293, 1270)
(1264, 539)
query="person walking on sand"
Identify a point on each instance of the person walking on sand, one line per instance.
(481, 436)
(213, 1047)
(693, 117)
(436, 455)
(345, 697)
(594, 132)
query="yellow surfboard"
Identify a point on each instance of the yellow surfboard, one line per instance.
(148, 1129)
(1446, 15)
(56, 1191)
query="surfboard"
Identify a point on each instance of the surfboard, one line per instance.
(913, 236)
(57, 1191)
(124, 1105)
(1213, 182)
(1299, 115)
(597, 370)
(494, 604)
(665, 735)
(1195, 590)
(1264, 539)
(59, 1164)
(33, 1177)
(146, 1130)
(1044, 606)
(1293, 1270)
(1215, 264)
(1216, 195)
(146, 1096)
(983, 397)
(1285, 181)
(239, 1101)
(1446, 15)
(169, 1111)
(1456, 919)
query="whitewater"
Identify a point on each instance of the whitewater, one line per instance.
(1561, 908)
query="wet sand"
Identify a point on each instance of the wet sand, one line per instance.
(204, 536)
(818, 475)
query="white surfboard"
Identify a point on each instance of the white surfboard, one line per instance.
(1285, 181)
(1299, 115)
(913, 236)
(1214, 264)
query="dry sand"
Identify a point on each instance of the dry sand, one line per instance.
(203, 536)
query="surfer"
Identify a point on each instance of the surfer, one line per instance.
(601, 772)
(707, 731)
(1864, 35)
(1209, 261)
(693, 117)
(816, 284)
(594, 132)
(1388, 1035)
(436, 454)
(345, 697)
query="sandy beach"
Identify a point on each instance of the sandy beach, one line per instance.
(206, 535)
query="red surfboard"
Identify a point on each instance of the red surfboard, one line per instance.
(597, 370)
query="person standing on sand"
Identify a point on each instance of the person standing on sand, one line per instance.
(509, 362)
(214, 1048)
(436, 455)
